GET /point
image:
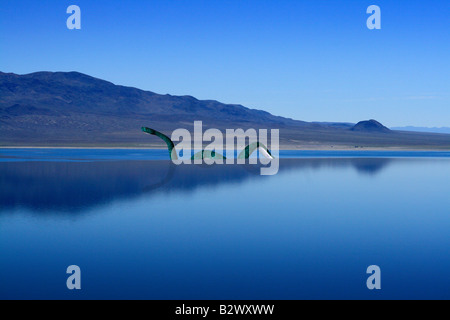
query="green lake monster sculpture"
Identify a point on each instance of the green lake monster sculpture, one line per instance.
(208, 154)
(170, 144)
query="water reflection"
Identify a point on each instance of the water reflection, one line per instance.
(370, 166)
(76, 186)
(313, 229)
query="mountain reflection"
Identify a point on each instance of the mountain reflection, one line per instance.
(74, 187)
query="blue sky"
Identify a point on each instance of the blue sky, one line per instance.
(310, 60)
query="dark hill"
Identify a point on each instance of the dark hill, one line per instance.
(370, 126)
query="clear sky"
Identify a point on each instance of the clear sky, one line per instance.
(310, 60)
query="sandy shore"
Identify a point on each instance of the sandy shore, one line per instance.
(284, 148)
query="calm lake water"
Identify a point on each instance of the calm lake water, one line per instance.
(142, 228)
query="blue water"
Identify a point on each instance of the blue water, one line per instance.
(141, 228)
(150, 154)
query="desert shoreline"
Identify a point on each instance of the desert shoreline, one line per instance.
(283, 148)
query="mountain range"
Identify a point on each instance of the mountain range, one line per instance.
(424, 129)
(73, 109)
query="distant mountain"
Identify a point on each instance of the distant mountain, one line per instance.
(370, 126)
(74, 109)
(72, 92)
(423, 129)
